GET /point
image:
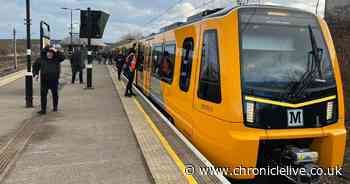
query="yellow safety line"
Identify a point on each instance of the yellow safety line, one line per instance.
(164, 142)
(284, 104)
(166, 145)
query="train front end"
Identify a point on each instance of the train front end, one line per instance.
(291, 89)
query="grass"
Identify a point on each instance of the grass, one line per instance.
(6, 46)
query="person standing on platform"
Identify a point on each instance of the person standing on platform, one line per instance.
(78, 65)
(119, 61)
(130, 70)
(48, 65)
(105, 57)
(110, 57)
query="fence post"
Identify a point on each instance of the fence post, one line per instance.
(15, 48)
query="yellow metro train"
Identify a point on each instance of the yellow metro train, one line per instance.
(250, 86)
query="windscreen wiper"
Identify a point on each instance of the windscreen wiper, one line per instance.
(314, 68)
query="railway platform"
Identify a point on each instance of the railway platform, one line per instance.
(89, 140)
(98, 136)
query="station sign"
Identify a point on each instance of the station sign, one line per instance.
(92, 23)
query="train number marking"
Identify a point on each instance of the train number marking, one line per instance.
(295, 118)
(206, 108)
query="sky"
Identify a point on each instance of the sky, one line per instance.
(127, 16)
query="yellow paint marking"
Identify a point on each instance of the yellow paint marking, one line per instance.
(284, 104)
(163, 141)
(166, 145)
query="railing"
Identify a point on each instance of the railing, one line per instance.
(7, 63)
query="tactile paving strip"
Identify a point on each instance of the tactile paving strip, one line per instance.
(16, 145)
(163, 169)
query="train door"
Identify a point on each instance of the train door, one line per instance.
(156, 92)
(147, 69)
(140, 63)
(184, 86)
(167, 72)
(208, 92)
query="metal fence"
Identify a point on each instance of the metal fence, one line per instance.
(8, 63)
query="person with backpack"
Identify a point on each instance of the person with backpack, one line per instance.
(130, 71)
(49, 66)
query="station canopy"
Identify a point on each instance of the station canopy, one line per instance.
(81, 42)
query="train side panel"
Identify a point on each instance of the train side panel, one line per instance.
(218, 130)
(186, 61)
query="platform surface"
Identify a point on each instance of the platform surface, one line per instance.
(89, 140)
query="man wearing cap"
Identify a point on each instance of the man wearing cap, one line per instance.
(49, 65)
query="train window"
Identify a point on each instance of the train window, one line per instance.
(186, 64)
(157, 54)
(209, 79)
(149, 56)
(167, 63)
(145, 64)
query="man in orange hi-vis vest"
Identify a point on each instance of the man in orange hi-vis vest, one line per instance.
(131, 63)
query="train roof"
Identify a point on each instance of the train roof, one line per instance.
(207, 14)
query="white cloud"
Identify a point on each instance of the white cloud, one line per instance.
(8, 20)
(300, 4)
(177, 14)
(182, 10)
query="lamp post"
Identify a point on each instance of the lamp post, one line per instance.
(29, 74)
(71, 24)
(14, 48)
(89, 66)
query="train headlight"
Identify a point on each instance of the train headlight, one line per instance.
(303, 157)
(299, 156)
(250, 109)
(330, 110)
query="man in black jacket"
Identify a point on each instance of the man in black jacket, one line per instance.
(78, 65)
(49, 65)
(120, 60)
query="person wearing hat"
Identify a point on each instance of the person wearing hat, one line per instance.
(49, 66)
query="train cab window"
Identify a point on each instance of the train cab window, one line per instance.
(186, 64)
(209, 79)
(156, 57)
(167, 63)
